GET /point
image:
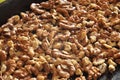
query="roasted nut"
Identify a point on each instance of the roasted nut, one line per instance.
(102, 67)
(3, 68)
(63, 11)
(112, 65)
(63, 38)
(98, 61)
(14, 19)
(62, 73)
(93, 38)
(67, 46)
(80, 78)
(57, 45)
(107, 46)
(78, 72)
(40, 77)
(3, 55)
(35, 7)
(86, 61)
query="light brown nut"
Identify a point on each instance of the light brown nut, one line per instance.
(118, 44)
(103, 67)
(21, 73)
(56, 53)
(111, 68)
(80, 78)
(107, 46)
(86, 61)
(81, 54)
(94, 73)
(98, 61)
(8, 77)
(93, 39)
(25, 58)
(57, 45)
(111, 62)
(14, 19)
(31, 52)
(68, 25)
(82, 35)
(62, 73)
(67, 46)
(35, 42)
(40, 77)
(3, 68)
(35, 7)
(79, 72)
(94, 6)
(112, 65)
(10, 43)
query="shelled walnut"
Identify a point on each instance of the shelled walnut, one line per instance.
(60, 39)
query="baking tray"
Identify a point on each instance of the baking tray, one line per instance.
(13, 7)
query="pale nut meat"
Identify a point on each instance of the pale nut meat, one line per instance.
(102, 67)
(98, 61)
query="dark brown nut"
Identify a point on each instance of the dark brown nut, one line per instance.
(117, 61)
(117, 56)
(35, 7)
(63, 11)
(46, 5)
(3, 55)
(19, 63)
(11, 65)
(34, 70)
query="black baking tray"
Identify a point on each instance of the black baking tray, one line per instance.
(13, 7)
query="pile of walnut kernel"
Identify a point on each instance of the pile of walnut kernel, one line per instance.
(62, 38)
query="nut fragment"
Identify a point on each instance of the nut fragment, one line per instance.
(3, 55)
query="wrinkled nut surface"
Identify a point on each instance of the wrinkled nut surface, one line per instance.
(61, 38)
